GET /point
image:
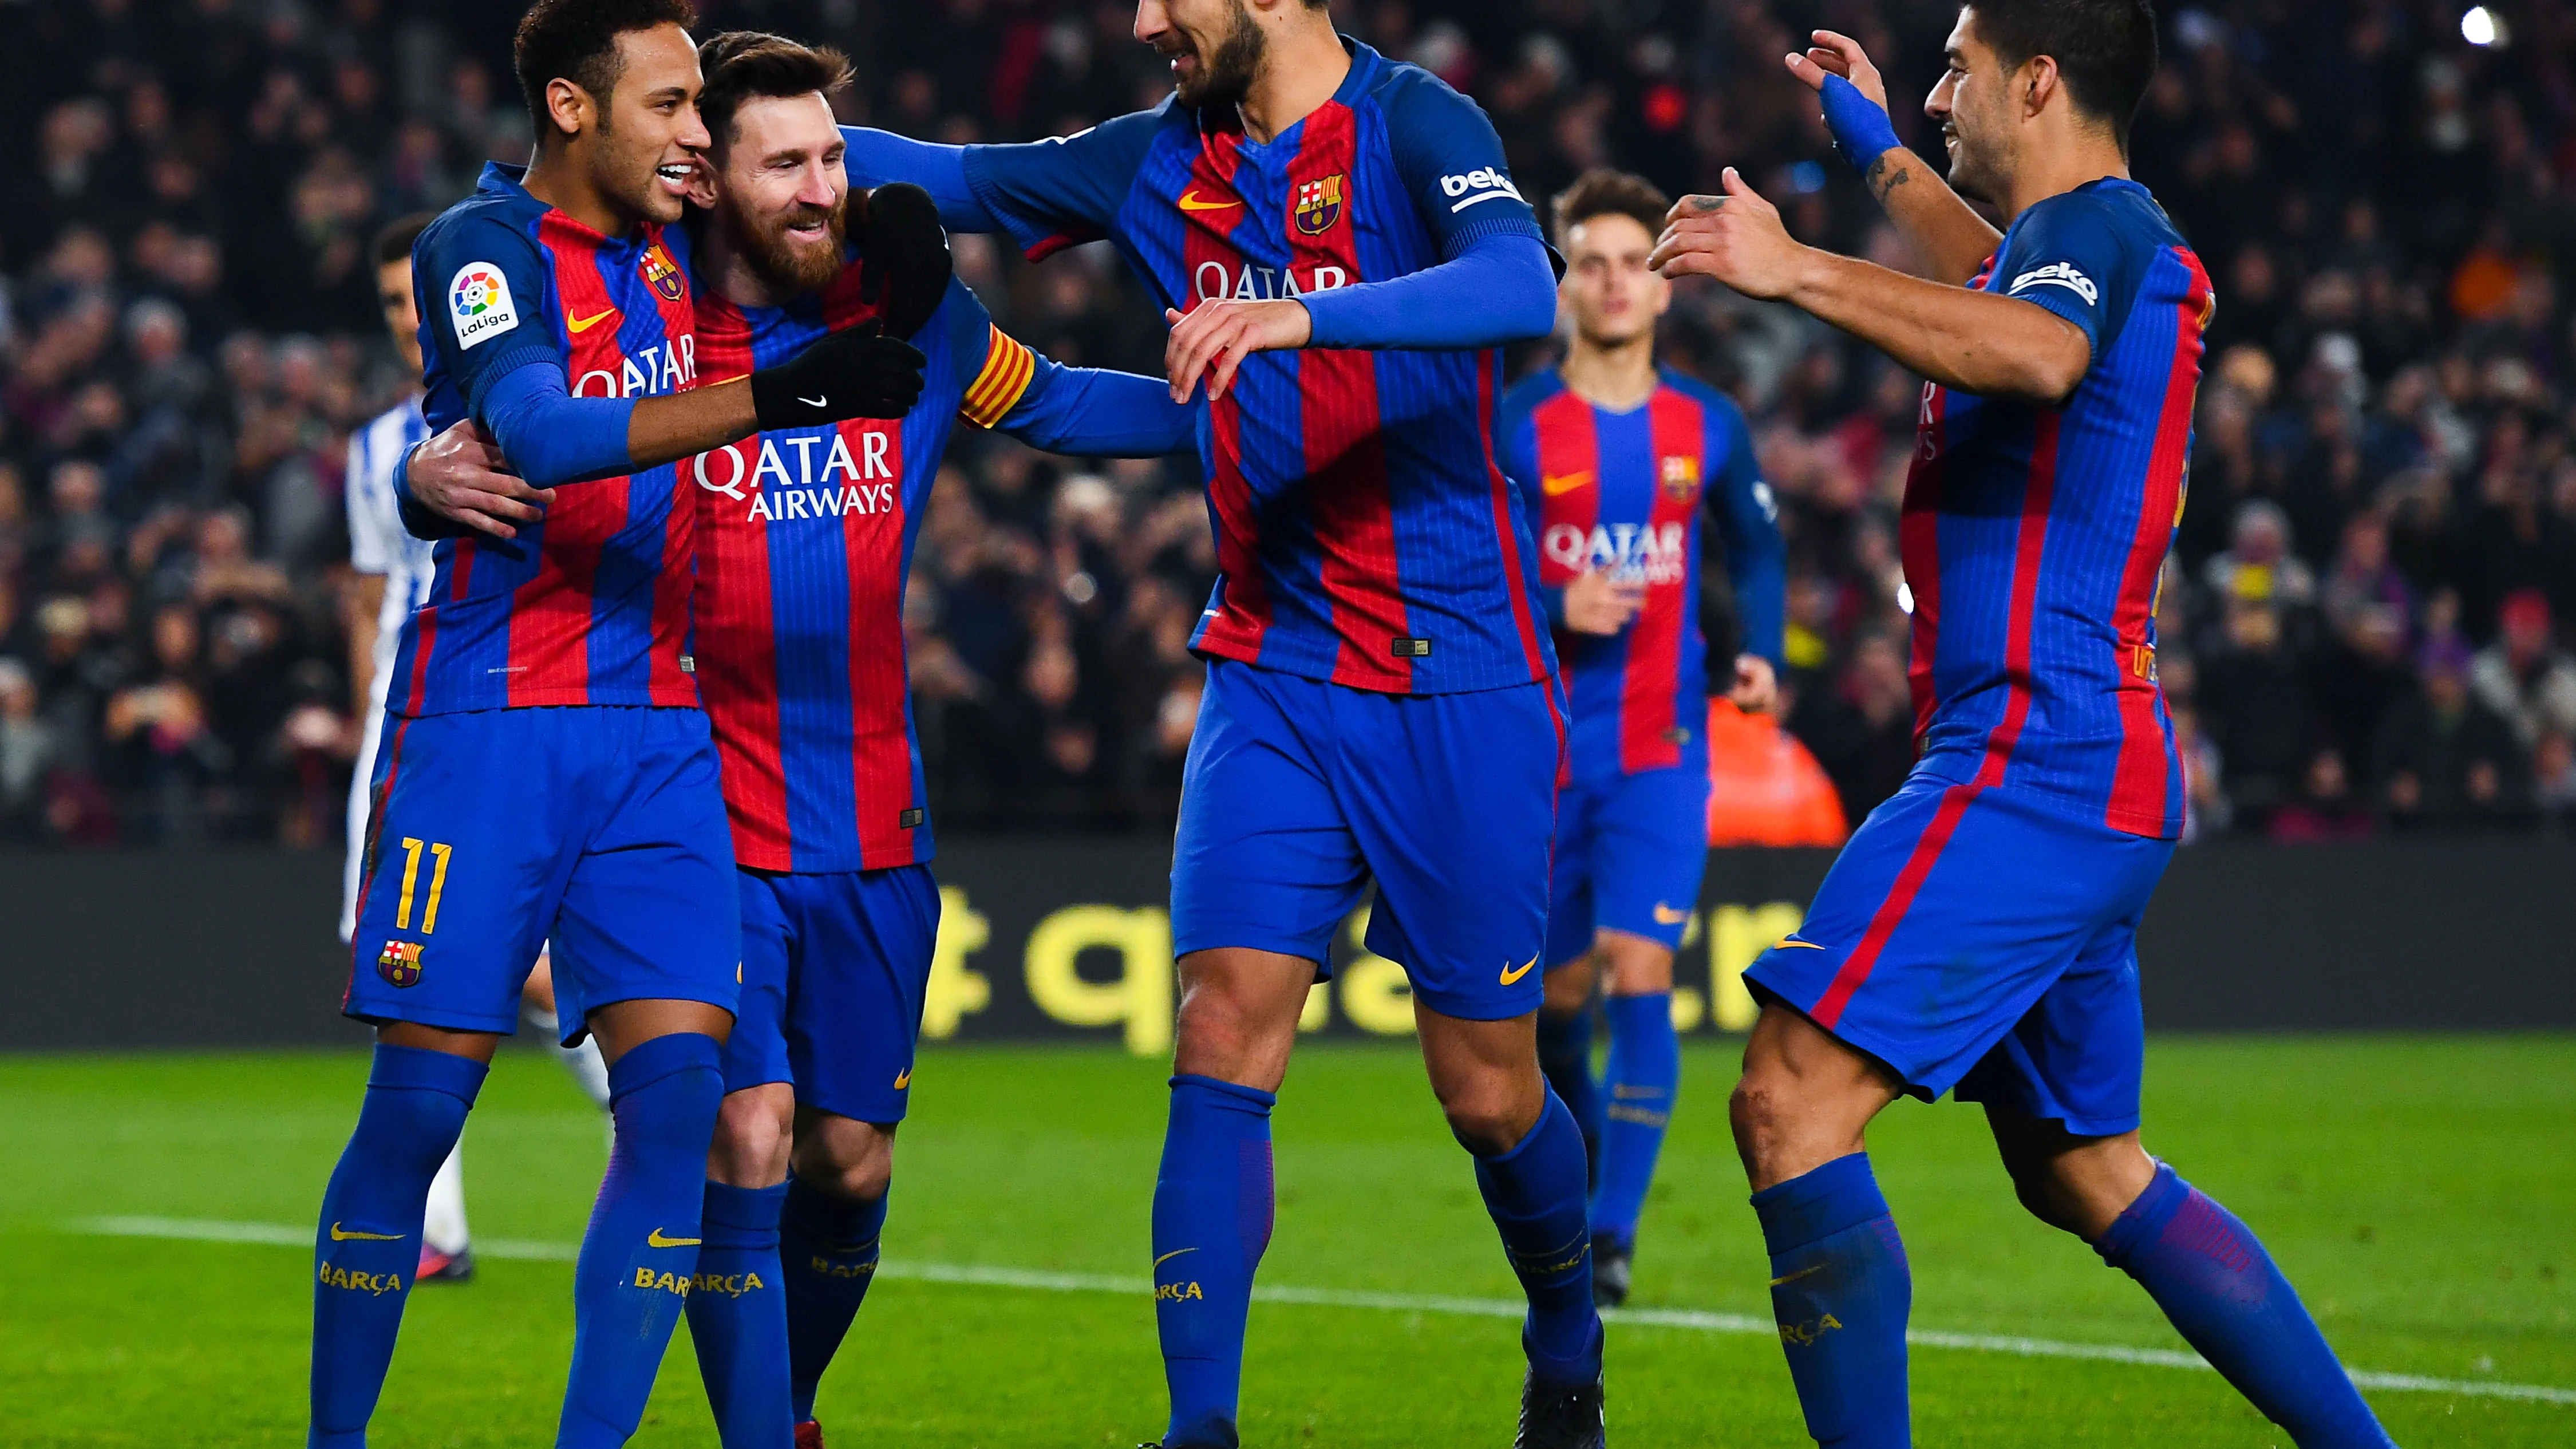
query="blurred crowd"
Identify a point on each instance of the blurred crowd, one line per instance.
(2365, 626)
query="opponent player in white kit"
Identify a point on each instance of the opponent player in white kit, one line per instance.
(394, 571)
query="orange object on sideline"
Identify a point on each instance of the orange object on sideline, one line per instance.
(1764, 788)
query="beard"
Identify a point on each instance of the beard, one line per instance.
(1225, 75)
(786, 263)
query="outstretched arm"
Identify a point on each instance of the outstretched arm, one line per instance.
(1976, 342)
(873, 158)
(1951, 239)
(1500, 288)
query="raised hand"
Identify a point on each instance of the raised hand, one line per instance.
(1216, 336)
(1736, 238)
(903, 256)
(1838, 54)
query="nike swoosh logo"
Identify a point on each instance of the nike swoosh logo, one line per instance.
(814, 402)
(1167, 1257)
(1563, 483)
(1515, 973)
(1801, 1273)
(654, 1239)
(1667, 916)
(1792, 942)
(340, 1234)
(584, 324)
(1192, 201)
(903, 1080)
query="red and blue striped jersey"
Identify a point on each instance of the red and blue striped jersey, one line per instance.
(805, 539)
(591, 605)
(1638, 494)
(2033, 536)
(1366, 534)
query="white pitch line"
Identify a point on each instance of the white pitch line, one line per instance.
(1038, 1281)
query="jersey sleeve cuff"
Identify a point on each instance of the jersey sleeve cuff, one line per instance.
(2059, 302)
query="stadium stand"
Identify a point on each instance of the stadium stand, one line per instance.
(2366, 625)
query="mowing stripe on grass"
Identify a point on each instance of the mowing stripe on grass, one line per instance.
(1032, 1280)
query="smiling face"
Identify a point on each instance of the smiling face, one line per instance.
(1610, 293)
(1974, 105)
(1214, 47)
(777, 187)
(645, 138)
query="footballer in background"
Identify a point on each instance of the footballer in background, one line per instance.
(1638, 477)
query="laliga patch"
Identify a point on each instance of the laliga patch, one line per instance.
(2057, 274)
(478, 302)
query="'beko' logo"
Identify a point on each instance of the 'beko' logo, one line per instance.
(1482, 184)
(2056, 274)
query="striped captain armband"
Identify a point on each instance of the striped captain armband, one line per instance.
(1008, 366)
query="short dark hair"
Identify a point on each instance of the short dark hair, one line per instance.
(2106, 49)
(576, 40)
(1603, 192)
(393, 243)
(743, 65)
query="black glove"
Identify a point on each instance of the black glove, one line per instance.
(857, 372)
(903, 257)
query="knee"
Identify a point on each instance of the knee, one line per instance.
(2084, 1191)
(1231, 1035)
(857, 1165)
(1490, 1113)
(753, 1131)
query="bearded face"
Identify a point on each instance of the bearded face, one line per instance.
(795, 248)
(1217, 73)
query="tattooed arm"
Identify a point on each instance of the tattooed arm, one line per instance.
(1951, 240)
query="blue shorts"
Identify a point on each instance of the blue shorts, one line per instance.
(1630, 850)
(833, 968)
(1981, 939)
(598, 826)
(1297, 792)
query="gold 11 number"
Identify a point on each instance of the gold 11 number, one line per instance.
(411, 879)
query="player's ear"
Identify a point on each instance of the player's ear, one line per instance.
(569, 107)
(2040, 81)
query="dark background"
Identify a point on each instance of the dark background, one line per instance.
(233, 948)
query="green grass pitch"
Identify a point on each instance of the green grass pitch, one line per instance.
(2420, 1191)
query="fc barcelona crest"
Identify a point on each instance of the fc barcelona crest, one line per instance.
(1680, 476)
(399, 963)
(662, 274)
(1319, 204)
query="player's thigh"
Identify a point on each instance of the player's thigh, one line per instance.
(755, 1053)
(1453, 800)
(1569, 888)
(468, 848)
(1946, 916)
(1263, 857)
(1650, 849)
(652, 909)
(2077, 1055)
(860, 963)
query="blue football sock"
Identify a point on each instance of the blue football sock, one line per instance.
(1645, 1070)
(1535, 1195)
(642, 1245)
(1212, 1205)
(1841, 1291)
(367, 1246)
(830, 1247)
(738, 1316)
(1565, 1058)
(2213, 1279)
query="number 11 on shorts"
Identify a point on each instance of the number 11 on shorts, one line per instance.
(411, 881)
